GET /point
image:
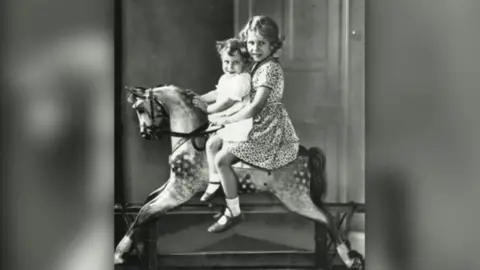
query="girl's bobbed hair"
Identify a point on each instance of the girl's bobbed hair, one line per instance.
(233, 45)
(265, 27)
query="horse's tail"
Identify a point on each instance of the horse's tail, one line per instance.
(318, 181)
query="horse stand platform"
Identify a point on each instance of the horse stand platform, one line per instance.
(321, 258)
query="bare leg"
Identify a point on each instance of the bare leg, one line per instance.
(232, 215)
(213, 146)
(224, 161)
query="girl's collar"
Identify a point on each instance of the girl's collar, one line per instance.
(268, 58)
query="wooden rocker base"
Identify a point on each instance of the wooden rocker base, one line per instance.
(249, 260)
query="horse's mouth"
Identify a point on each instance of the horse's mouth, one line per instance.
(146, 134)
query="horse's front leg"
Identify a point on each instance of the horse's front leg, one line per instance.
(175, 193)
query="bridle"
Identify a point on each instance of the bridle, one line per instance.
(157, 132)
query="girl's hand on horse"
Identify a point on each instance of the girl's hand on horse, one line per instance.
(200, 103)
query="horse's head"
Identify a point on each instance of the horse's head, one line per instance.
(154, 106)
(150, 110)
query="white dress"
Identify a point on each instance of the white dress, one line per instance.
(235, 87)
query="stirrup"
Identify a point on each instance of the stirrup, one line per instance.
(207, 196)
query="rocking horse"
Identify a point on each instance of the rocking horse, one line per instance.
(171, 110)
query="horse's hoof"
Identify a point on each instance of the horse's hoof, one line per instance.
(117, 259)
(358, 265)
(358, 260)
(344, 253)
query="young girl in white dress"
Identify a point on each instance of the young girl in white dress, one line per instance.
(230, 96)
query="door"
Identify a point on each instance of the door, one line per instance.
(320, 78)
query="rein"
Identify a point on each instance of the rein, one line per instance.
(201, 131)
(198, 132)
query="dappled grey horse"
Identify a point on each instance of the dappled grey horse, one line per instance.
(172, 110)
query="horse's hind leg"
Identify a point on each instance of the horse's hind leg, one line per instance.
(171, 196)
(304, 206)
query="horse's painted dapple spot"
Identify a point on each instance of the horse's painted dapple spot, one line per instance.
(245, 184)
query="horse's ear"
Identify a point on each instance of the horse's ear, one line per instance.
(135, 93)
(131, 98)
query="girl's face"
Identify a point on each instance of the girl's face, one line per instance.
(232, 64)
(258, 47)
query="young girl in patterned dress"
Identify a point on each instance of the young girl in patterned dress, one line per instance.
(272, 142)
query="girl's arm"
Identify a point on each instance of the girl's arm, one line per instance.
(210, 97)
(252, 108)
(220, 105)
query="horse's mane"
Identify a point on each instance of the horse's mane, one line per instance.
(186, 91)
(187, 96)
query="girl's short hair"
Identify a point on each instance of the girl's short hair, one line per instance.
(265, 27)
(233, 45)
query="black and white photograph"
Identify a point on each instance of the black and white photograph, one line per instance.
(242, 135)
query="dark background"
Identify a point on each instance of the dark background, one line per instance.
(165, 42)
(422, 134)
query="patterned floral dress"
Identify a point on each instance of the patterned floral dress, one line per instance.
(272, 142)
